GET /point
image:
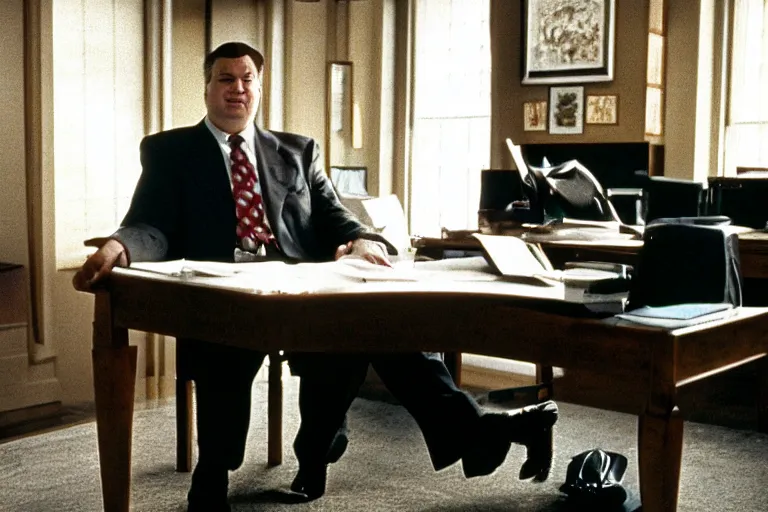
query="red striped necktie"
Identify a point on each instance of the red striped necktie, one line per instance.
(252, 228)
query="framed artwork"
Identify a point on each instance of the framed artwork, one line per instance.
(567, 41)
(566, 110)
(535, 116)
(602, 109)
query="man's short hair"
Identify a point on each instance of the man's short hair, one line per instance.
(233, 50)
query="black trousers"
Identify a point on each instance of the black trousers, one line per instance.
(421, 382)
(223, 379)
(329, 382)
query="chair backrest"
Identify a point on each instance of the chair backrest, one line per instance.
(499, 188)
(686, 263)
(741, 199)
(669, 197)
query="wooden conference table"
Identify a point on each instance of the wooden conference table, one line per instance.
(438, 314)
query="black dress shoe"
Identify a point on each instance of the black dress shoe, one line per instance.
(310, 481)
(534, 430)
(530, 426)
(208, 491)
(338, 447)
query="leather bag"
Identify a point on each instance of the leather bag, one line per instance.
(593, 478)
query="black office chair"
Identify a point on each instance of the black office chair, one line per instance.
(686, 262)
(669, 197)
(741, 199)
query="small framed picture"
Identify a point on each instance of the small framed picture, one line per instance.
(566, 110)
(602, 109)
(535, 116)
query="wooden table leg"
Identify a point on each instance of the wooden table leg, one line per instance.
(275, 411)
(660, 451)
(114, 377)
(762, 394)
(452, 361)
(184, 425)
(545, 376)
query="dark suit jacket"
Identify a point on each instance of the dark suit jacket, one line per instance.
(183, 208)
(183, 205)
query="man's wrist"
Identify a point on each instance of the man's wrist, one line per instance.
(117, 248)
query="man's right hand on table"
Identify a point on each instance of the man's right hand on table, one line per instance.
(99, 264)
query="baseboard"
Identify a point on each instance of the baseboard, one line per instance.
(30, 419)
(480, 378)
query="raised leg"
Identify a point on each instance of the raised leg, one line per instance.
(114, 377)
(660, 450)
(275, 411)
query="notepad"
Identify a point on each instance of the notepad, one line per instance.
(678, 315)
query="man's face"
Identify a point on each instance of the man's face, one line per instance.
(232, 95)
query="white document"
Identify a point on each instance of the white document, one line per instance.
(512, 257)
(517, 157)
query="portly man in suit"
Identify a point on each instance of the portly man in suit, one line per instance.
(225, 190)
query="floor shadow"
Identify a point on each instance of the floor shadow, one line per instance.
(260, 496)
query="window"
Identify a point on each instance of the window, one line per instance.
(746, 132)
(452, 100)
(98, 120)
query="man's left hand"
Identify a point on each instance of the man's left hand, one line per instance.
(369, 250)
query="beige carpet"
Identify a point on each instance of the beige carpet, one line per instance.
(386, 467)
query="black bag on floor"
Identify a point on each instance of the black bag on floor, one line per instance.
(593, 479)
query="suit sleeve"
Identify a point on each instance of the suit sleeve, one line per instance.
(150, 224)
(334, 222)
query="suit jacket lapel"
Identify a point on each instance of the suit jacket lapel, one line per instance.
(210, 165)
(270, 165)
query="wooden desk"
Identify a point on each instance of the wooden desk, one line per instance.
(753, 250)
(646, 365)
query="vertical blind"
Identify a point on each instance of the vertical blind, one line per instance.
(452, 100)
(746, 133)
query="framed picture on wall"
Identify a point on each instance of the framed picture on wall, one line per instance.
(568, 41)
(602, 109)
(566, 110)
(535, 116)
